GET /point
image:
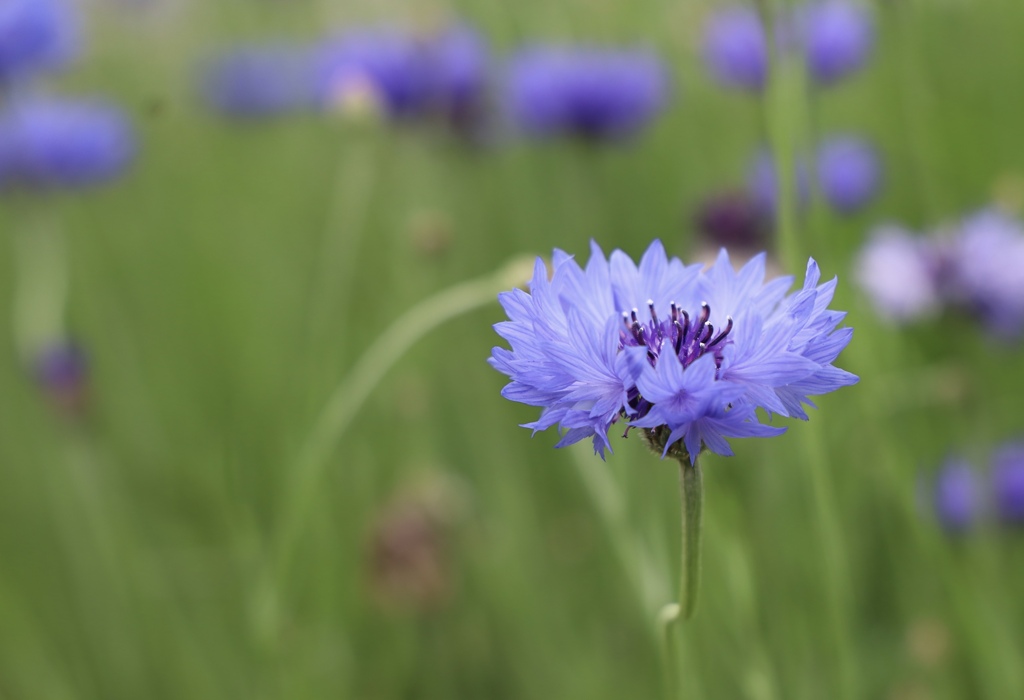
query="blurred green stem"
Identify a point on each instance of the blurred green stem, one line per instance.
(307, 473)
(634, 555)
(788, 118)
(41, 274)
(786, 106)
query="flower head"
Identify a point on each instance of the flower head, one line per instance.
(61, 370)
(684, 353)
(258, 81)
(586, 91)
(735, 48)
(1008, 482)
(848, 173)
(900, 273)
(837, 37)
(404, 74)
(35, 35)
(956, 496)
(384, 69)
(762, 182)
(459, 72)
(60, 142)
(986, 256)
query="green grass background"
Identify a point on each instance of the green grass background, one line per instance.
(226, 287)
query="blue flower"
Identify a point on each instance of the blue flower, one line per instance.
(687, 355)
(597, 93)
(986, 256)
(837, 38)
(956, 496)
(405, 75)
(900, 273)
(459, 64)
(61, 370)
(735, 48)
(386, 68)
(762, 182)
(60, 142)
(848, 173)
(258, 81)
(1008, 482)
(35, 35)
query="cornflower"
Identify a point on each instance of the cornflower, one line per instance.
(685, 354)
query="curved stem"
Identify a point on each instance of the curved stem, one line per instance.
(347, 399)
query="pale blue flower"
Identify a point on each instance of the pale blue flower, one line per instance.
(686, 354)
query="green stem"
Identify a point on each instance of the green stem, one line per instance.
(41, 286)
(307, 473)
(691, 483)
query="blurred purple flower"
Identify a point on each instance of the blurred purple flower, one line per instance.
(61, 371)
(837, 38)
(848, 173)
(735, 48)
(762, 182)
(732, 220)
(35, 35)
(258, 81)
(1008, 482)
(459, 64)
(591, 92)
(900, 273)
(385, 67)
(985, 264)
(685, 353)
(403, 74)
(956, 496)
(61, 366)
(59, 142)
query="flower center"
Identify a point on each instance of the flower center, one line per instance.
(688, 339)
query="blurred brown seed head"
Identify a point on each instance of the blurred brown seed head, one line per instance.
(430, 233)
(928, 642)
(410, 563)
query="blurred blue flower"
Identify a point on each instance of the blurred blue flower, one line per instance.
(762, 182)
(379, 69)
(61, 371)
(848, 173)
(685, 353)
(847, 169)
(956, 496)
(735, 48)
(459, 65)
(837, 38)
(258, 81)
(35, 35)
(48, 142)
(590, 92)
(403, 74)
(1008, 482)
(985, 263)
(900, 273)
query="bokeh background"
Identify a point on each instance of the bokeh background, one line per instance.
(223, 287)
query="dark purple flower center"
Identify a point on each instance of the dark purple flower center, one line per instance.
(687, 338)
